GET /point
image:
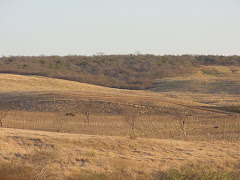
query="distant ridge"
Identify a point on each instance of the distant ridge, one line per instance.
(118, 71)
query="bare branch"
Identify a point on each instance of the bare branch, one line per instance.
(85, 108)
(182, 116)
(3, 114)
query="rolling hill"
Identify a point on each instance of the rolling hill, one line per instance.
(45, 134)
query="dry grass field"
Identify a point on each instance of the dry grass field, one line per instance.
(59, 129)
(62, 155)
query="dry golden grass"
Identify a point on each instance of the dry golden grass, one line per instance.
(60, 155)
(27, 85)
(71, 146)
(199, 126)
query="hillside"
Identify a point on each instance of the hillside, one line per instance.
(20, 86)
(61, 129)
(43, 103)
(213, 85)
(118, 71)
(206, 79)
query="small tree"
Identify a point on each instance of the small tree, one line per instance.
(86, 108)
(182, 116)
(3, 114)
(130, 117)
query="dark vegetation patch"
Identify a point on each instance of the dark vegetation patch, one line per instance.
(218, 86)
(233, 108)
(118, 71)
(165, 86)
(51, 102)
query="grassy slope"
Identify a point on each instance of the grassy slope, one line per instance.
(213, 85)
(71, 152)
(192, 94)
(207, 79)
(63, 95)
(27, 85)
(64, 154)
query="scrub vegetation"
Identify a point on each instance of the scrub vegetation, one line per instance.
(118, 71)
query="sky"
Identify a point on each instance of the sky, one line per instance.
(86, 27)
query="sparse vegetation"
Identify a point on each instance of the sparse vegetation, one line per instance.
(101, 148)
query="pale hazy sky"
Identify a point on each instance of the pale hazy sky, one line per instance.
(85, 27)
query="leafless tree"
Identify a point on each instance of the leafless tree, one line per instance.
(85, 108)
(130, 117)
(3, 113)
(182, 116)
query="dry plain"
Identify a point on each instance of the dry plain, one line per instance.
(45, 126)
